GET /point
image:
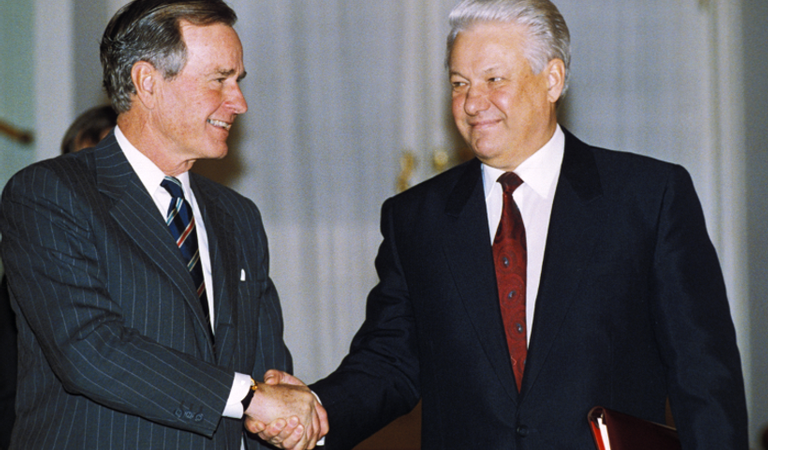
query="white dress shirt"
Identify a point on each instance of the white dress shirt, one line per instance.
(534, 198)
(151, 176)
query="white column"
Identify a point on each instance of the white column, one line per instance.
(53, 55)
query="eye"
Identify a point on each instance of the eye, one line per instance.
(495, 79)
(455, 85)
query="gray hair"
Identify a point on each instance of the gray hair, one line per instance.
(548, 35)
(150, 30)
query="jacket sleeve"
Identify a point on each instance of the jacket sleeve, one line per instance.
(378, 380)
(52, 258)
(695, 331)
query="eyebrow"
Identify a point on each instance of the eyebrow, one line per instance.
(486, 71)
(229, 72)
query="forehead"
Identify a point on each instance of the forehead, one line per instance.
(213, 47)
(484, 42)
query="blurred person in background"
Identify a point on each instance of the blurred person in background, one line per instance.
(89, 129)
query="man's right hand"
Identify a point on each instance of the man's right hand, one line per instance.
(295, 417)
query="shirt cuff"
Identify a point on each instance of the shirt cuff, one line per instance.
(241, 384)
(321, 441)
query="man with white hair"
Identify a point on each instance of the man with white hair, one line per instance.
(543, 278)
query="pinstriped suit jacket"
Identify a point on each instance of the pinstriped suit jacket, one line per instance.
(113, 351)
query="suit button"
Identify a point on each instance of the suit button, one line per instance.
(178, 413)
(522, 431)
(198, 417)
(189, 415)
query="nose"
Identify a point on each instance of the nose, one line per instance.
(236, 100)
(475, 101)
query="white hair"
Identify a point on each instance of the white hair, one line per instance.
(548, 35)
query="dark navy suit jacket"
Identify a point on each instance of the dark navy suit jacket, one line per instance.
(113, 348)
(631, 309)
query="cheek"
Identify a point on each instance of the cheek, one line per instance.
(459, 115)
(196, 98)
(534, 98)
(503, 101)
(457, 106)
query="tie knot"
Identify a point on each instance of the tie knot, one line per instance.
(173, 186)
(510, 182)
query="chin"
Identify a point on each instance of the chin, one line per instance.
(217, 153)
(485, 152)
(497, 159)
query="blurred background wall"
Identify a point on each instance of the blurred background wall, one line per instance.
(349, 102)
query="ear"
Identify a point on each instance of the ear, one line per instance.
(555, 79)
(145, 77)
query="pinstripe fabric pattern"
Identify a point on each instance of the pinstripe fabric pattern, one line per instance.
(113, 349)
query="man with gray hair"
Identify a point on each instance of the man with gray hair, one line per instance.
(545, 277)
(145, 306)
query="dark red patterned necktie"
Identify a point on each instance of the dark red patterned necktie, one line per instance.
(511, 266)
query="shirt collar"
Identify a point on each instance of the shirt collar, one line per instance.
(146, 169)
(539, 172)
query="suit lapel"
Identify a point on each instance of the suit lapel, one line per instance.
(469, 254)
(577, 217)
(220, 226)
(134, 211)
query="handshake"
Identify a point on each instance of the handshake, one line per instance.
(285, 413)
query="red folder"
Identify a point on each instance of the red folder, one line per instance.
(614, 430)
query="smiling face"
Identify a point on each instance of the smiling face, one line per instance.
(190, 115)
(504, 111)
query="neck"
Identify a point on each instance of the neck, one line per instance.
(140, 135)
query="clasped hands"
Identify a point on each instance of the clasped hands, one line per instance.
(285, 413)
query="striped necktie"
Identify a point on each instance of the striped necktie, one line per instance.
(182, 225)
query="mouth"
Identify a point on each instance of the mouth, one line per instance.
(219, 124)
(483, 123)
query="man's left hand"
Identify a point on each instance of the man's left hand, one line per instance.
(289, 433)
